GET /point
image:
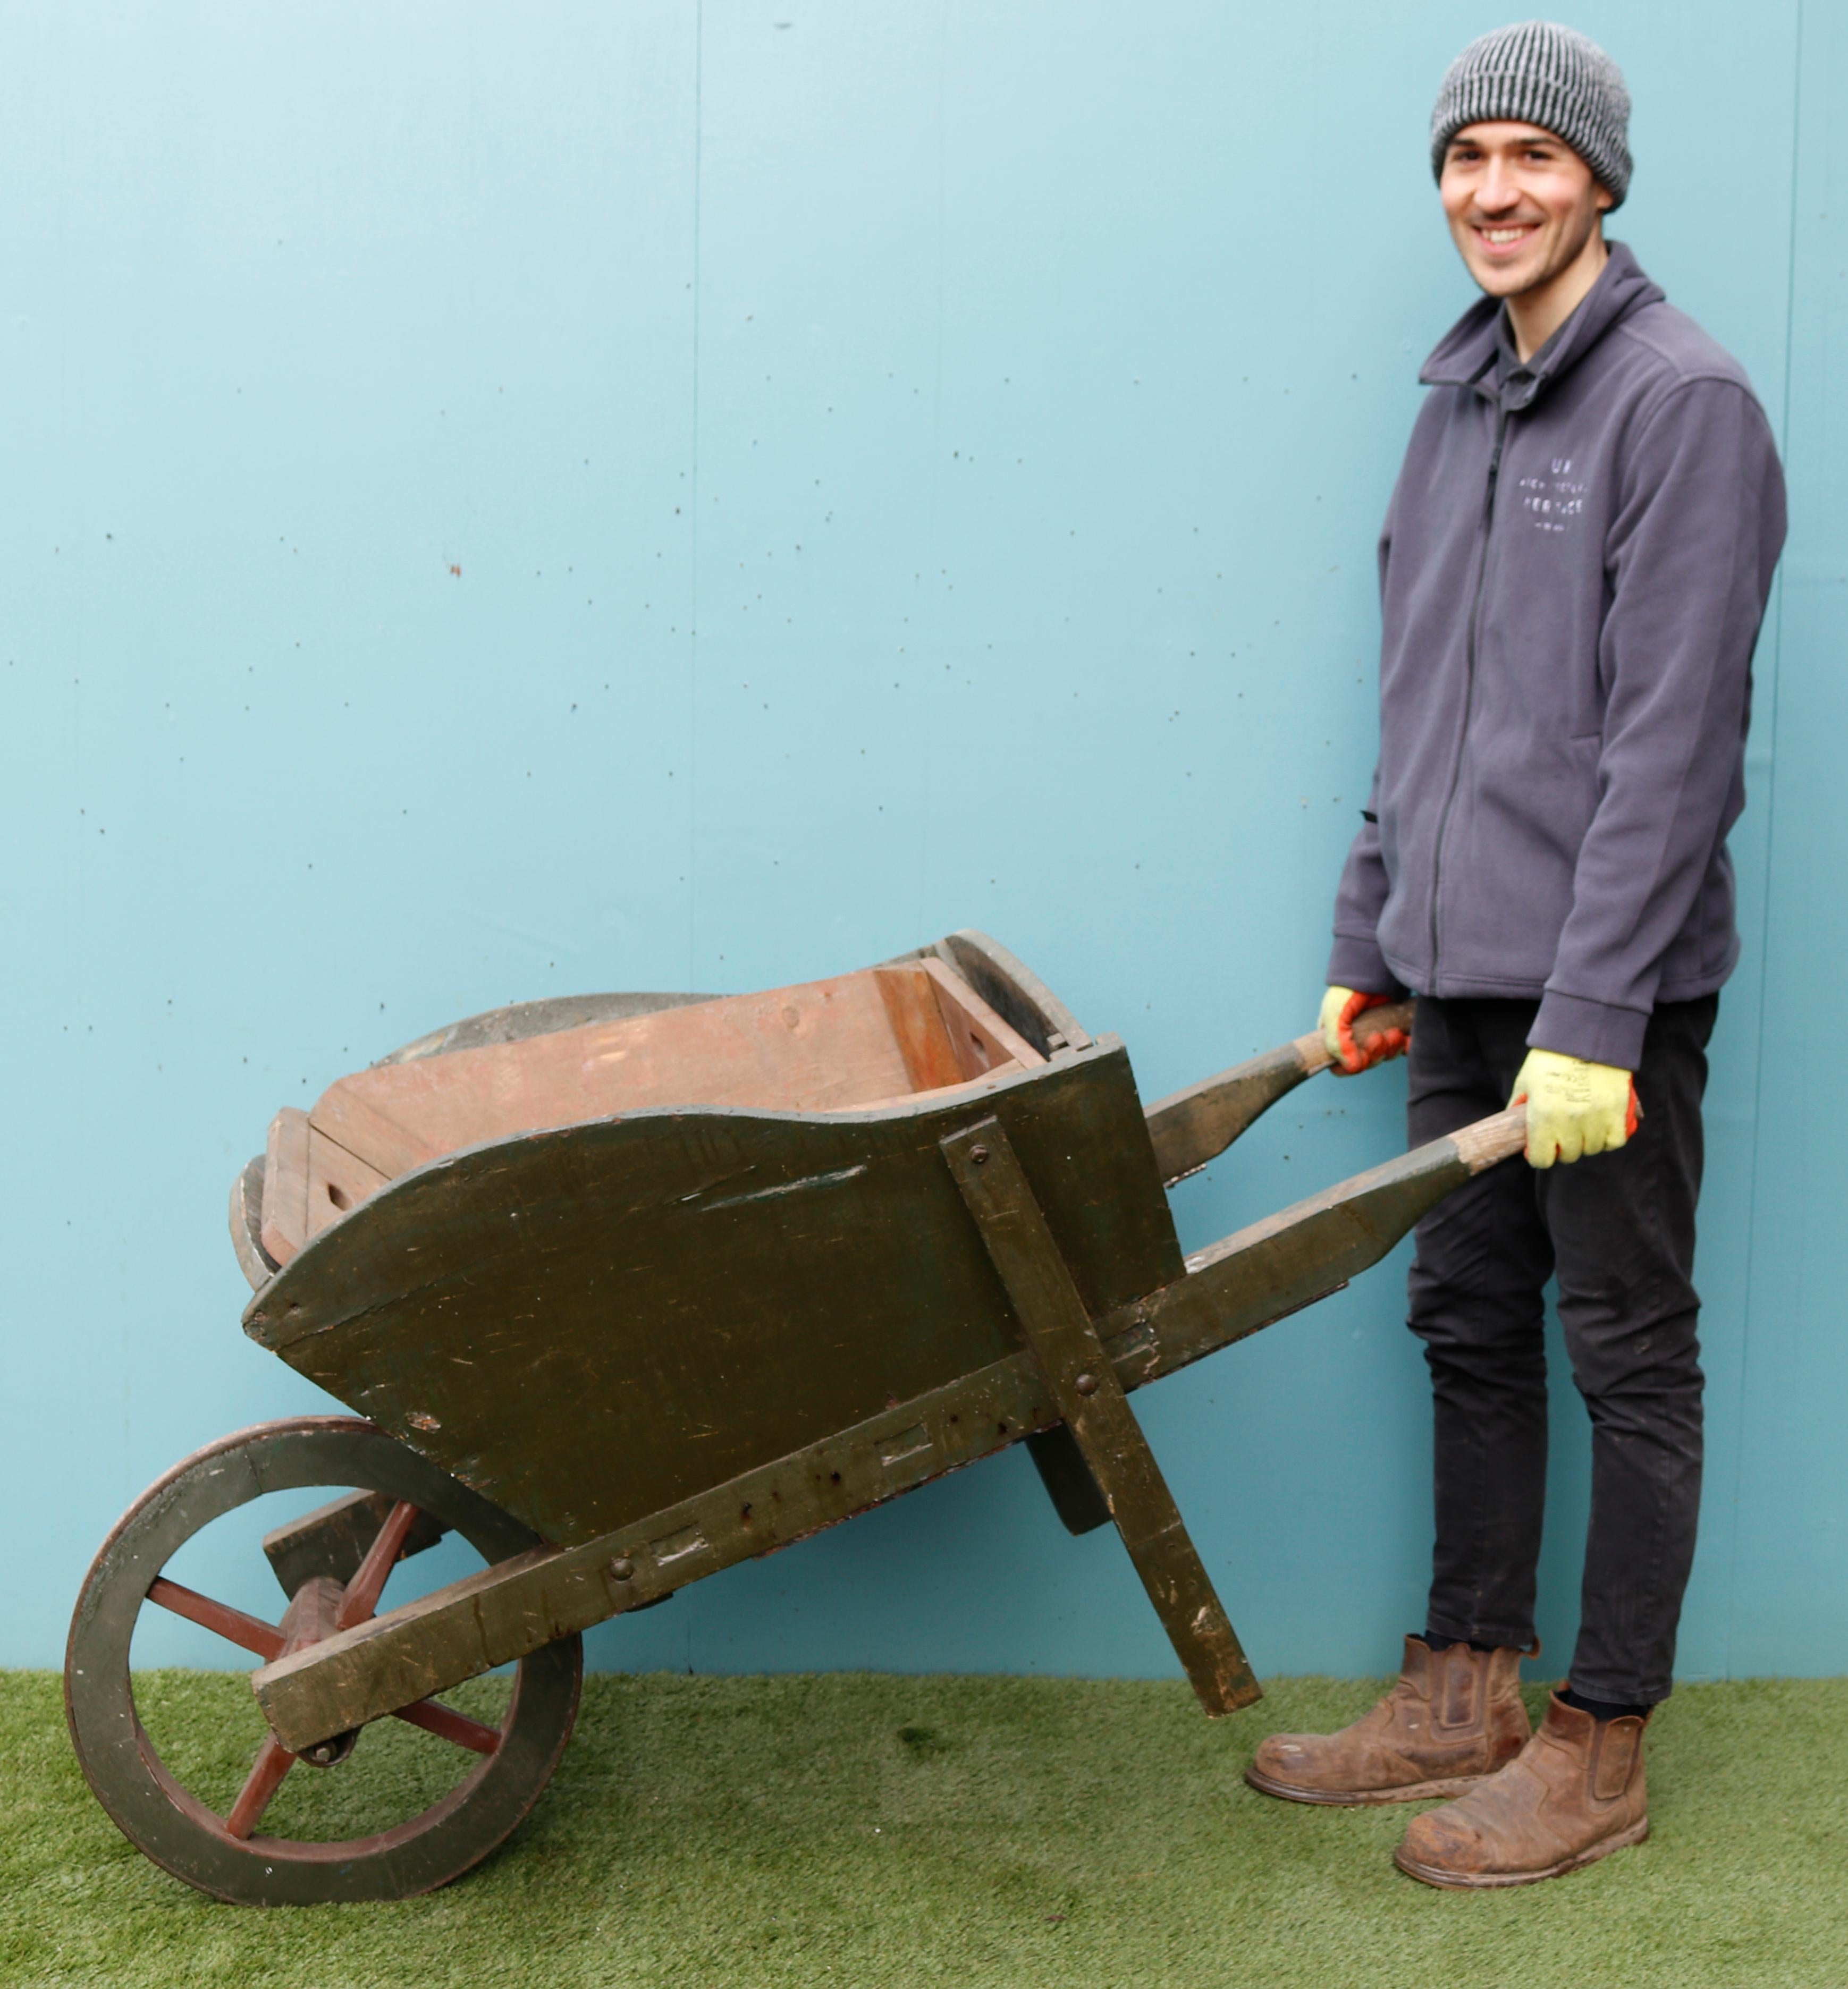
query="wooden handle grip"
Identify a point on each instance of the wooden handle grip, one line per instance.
(1370, 1023)
(1489, 1141)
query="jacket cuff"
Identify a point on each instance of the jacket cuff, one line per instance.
(1571, 1026)
(1359, 963)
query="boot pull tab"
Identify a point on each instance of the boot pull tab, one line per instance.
(1461, 1673)
(1614, 1752)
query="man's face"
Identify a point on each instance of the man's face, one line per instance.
(1521, 204)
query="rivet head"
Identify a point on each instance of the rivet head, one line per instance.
(1086, 1384)
(978, 1154)
(622, 1568)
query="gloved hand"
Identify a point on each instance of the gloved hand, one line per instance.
(1574, 1107)
(1340, 1006)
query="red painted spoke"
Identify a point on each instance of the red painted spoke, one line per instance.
(363, 1591)
(273, 1761)
(250, 1631)
(448, 1724)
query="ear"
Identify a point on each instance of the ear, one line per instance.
(1605, 198)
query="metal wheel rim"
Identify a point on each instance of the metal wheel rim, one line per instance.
(183, 1834)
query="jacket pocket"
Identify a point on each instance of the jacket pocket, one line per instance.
(1513, 854)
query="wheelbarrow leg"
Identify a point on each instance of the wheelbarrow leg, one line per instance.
(1068, 1480)
(1087, 1394)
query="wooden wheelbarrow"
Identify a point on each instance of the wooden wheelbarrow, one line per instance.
(631, 1288)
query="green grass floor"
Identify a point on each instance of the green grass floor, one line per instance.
(914, 1831)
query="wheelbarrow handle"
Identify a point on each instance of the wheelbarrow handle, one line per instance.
(1275, 1266)
(1192, 1126)
(1368, 1026)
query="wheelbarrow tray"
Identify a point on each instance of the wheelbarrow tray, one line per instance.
(589, 1323)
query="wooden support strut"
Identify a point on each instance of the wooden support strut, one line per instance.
(1249, 1280)
(1090, 1400)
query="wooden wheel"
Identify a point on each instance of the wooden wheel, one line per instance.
(404, 1833)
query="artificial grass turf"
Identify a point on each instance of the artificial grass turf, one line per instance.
(869, 1830)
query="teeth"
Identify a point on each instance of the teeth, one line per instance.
(1499, 235)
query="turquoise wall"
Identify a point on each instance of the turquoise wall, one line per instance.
(500, 502)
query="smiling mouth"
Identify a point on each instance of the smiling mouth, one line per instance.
(1507, 238)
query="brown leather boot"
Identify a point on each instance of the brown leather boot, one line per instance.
(1575, 1794)
(1454, 1717)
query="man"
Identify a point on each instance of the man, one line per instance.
(1574, 567)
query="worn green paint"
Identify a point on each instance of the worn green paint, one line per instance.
(506, 1611)
(1190, 1127)
(1258, 1275)
(332, 1540)
(1091, 1402)
(591, 1322)
(1303, 1253)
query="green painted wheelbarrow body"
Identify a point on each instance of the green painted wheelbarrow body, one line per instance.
(666, 1341)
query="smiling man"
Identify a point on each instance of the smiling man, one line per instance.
(1574, 565)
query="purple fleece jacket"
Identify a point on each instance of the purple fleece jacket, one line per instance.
(1574, 567)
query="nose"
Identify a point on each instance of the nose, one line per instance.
(1497, 190)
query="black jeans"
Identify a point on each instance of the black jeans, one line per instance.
(1618, 1231)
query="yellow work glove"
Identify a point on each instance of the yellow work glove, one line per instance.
(1339, 1007)
(1574, 1108)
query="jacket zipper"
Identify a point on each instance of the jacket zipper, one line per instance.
(1469, 684)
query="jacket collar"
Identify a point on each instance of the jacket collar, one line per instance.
(1470, 354)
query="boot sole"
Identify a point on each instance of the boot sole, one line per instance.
(1483, 1882)
(1449, 1785)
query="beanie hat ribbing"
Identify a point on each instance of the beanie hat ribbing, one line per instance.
(1540, 73)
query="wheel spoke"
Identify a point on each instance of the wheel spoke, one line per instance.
(273, 1761)
(252, 1633)
(363, 1591)
(235, 1830)
(448, 1724)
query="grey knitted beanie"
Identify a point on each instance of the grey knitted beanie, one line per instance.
(1538, 72)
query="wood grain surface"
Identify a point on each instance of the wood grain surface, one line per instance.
(1092, 1405)
(596, 1320)
(851, 1042)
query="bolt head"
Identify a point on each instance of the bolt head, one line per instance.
(622, 1568)
(1086, 1384)
(978, 1154)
